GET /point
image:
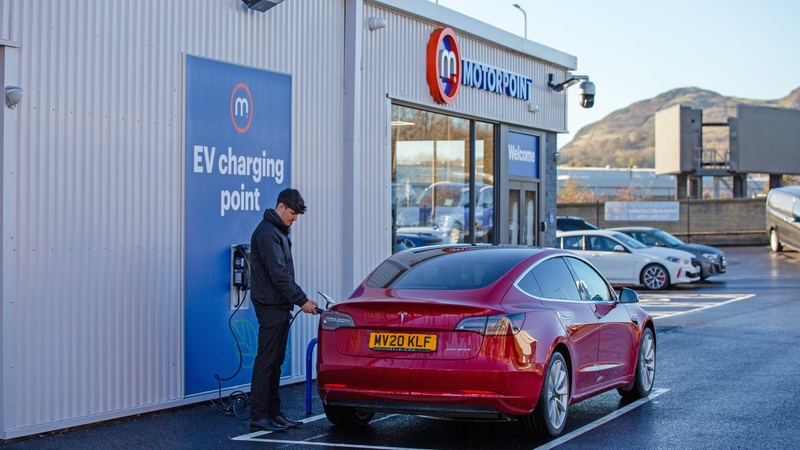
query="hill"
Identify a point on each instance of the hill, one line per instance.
(626, 137)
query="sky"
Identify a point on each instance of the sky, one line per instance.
(637, 49)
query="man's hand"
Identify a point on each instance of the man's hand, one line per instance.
(310, 307)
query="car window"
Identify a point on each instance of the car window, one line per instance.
(572, 242)
(672, 241)
(796, 209)
(589, 283)
(555, 280)
(487, 197)
(601, 244)
(444, 269)
(629, 241)
(644, 238)
(529, 285)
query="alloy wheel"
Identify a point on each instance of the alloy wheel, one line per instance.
(654, 277)
(557, 394)
(647, 363)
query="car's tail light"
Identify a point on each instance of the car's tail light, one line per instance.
(333, 320)
(499, 325)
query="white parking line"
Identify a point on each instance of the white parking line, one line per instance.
(250, 436)
(700, 307)
(601, 421)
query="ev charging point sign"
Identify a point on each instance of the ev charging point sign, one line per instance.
(237, 160)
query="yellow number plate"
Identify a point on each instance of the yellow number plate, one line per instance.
(402, 342)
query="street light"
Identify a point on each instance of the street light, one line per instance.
(516, 5)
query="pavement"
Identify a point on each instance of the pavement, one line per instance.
(197, 426)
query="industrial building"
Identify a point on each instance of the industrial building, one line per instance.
(142, 140)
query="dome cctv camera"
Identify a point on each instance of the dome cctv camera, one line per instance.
(13, 96)
(586, 94)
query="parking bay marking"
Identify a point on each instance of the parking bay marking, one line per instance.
(695, 302)
(253, 437)
(601, 421)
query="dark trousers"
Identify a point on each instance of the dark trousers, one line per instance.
(273, 331)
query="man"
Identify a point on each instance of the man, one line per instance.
(274, 294)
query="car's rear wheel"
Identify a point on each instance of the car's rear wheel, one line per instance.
(347, 417)
(645, 369)
(550, 414)
(775, 243)
(655, 277)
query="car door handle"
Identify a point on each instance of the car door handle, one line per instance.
(566, 317)
(634, 319)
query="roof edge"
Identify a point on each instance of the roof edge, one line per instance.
(425, 9)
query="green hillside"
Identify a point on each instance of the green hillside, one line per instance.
(626, 137)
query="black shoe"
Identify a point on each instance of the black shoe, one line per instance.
(266, 424)
(280, 419)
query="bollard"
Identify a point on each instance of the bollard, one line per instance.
(309, 355)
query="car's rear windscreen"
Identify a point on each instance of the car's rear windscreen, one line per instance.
(442, 270)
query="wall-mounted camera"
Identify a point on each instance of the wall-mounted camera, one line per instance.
(585, 91)
(586, 94)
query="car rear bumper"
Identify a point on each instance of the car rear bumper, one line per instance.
(438, 388)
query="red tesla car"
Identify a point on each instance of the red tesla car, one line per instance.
(482, 332)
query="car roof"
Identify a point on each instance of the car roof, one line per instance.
(794, 190)
(571, 218)
(610, 233)
(633, 229)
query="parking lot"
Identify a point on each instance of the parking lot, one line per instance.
(725, 364)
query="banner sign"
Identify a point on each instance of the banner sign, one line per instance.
(643, 211)
(237, 159)
(523, 155)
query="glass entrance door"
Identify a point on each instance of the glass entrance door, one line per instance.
(523, 213)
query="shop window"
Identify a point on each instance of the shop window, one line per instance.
(431, 171)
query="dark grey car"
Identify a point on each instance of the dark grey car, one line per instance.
(711, 259)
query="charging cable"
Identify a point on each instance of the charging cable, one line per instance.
(237, 401)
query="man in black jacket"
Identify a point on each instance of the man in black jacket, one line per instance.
(274, 294)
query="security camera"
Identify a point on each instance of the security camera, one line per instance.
(13, 96)
(586, 94)
(585, 91)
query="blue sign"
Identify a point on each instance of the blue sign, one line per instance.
(238, 153)
(523, 155)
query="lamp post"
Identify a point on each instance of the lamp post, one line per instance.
(525, 15)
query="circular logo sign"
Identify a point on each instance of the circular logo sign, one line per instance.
(241, 107)
(444, 65)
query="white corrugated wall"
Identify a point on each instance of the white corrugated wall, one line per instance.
(92, 289)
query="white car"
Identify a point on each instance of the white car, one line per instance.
(626, 261)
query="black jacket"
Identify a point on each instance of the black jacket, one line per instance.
(272, 282)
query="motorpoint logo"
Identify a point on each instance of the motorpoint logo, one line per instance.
(444, 65)
(241, 107)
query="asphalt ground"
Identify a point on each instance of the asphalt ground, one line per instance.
(727, 378)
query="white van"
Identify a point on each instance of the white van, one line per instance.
(783, 218)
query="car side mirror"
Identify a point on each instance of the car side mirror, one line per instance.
(628, 296)
(619, 248)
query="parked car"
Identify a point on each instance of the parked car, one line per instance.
(626, 261)
(572, 223)
(711, 259)
(482, 333)
(440, 212)
(783, 217)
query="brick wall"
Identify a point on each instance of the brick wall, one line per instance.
(710, 222)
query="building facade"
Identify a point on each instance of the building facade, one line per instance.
(152, 136)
